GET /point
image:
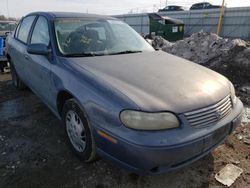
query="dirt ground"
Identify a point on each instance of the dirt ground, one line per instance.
(34, 153)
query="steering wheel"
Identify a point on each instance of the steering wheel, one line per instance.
(73, 43)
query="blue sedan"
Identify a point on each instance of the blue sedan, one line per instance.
(118, 98)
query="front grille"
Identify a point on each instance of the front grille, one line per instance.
(211, 114)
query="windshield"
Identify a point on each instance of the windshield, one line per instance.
(5, 26)
(90, 37)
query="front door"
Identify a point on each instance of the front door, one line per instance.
(38, 66)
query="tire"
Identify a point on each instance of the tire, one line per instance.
(2, 66)
(77, 130)
(17, 82)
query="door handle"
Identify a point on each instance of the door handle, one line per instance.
(26, 56)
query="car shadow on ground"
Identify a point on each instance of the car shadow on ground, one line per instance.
(35, 153)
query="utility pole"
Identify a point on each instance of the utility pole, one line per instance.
(221, 16)
(154, 7)
(166, 2)
(7, 5)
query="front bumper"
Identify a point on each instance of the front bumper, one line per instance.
(150, 153)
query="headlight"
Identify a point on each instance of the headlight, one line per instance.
(233, 96)
(148, 121)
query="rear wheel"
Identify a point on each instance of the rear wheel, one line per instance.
(17, 82)
(2, 65)
(78, 131)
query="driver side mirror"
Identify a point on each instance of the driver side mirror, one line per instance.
(38, 49)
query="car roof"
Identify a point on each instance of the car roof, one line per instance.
(201, 3)
(54, 15)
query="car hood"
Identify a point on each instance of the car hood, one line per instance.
(158, 81)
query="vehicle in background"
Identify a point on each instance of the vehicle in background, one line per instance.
(171, 8)
(146, 110)
(6, 27)
(203, 5)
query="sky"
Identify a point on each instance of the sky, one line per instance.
(19, 8)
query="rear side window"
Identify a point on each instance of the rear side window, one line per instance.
(17, 29)
(41, 32)
(24, 29)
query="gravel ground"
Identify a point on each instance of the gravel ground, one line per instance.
(34, 153)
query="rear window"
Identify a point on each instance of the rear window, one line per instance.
(17, 29)
(198, 6)
(24, 29)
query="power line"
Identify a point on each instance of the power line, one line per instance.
(7, 6)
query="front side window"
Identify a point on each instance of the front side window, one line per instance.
(24, 29)
(81, 37)
(41, 32)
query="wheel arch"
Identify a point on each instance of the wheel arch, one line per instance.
(8, 57)
(62, 97)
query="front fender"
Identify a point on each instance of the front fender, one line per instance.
(101, 102)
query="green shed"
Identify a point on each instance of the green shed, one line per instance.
(169, 28)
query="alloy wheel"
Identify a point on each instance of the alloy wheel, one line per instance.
(75, 131)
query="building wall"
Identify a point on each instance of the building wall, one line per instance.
(235, 24)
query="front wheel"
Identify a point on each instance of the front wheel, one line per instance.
(78, 131)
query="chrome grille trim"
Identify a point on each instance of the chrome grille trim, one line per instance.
(211, 114)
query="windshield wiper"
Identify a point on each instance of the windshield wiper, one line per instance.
(90, 54)
(126, 52)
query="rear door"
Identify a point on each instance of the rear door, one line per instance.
(18, 46)
(38, 66)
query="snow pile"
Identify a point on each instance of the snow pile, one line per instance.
(230, 57)
(161, 43)
(246, 116)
